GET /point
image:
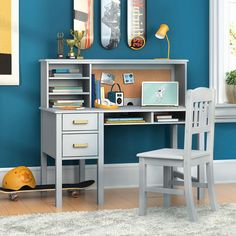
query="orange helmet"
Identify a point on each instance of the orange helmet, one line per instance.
(18, 177)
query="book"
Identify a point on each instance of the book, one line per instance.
(66, 104)
(69, 91)
(93, 89)
(98, 89)
(60, 70)
(168, 120)
(124, 119)
(65, 89)
(69, 108)
(66, 101)
(102, 93)
(75, 70)
(74, 75)
(163, 116)
(65, 78)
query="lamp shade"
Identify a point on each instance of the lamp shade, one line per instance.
(162, 31)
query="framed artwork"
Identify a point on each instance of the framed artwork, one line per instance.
(110, 23)
(136, 24)
(9, 42)
(83, 21)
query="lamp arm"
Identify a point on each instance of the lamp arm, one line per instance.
(168, 41)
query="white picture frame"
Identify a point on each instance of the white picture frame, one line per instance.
(11, 76)
(107, 78)
(128, 78)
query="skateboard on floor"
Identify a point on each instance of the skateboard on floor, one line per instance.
(83, 20)
(110, 23)
(71, 188)
(136, 27)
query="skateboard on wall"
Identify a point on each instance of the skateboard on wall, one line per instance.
(136, 24)
(83, 20)
(72, 188)
(110, 23)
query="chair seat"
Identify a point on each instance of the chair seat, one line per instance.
(171, 153)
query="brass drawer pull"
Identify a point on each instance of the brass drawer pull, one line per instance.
(85, 145)
(80, 122)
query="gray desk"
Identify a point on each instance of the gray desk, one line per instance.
(79, 135)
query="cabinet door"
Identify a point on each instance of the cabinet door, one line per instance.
(80, 145)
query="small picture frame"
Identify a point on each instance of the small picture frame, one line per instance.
(107, 78)
(128, 78)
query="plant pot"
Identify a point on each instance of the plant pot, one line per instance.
(231, 93)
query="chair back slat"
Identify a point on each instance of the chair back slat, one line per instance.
(200, 121)
(199, 117)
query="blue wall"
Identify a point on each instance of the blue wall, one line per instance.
(39, 23)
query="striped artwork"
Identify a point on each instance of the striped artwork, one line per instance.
(9, 42)
(83, 20)
(5, 37)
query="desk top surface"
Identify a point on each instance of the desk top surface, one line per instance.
(116, 61)
(119, 110)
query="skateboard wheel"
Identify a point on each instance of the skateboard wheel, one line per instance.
(13, 197)
(75, 194)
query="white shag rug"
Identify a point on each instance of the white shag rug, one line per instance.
(159, 221)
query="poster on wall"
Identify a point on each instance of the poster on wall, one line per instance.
(136, 24)
(9, 42)
(83, 21)
(110, 23)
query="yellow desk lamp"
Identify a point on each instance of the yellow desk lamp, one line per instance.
(161, 34)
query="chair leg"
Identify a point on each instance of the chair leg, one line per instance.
(142, 187)
(166, 180)
(189, 194)
(210, 181)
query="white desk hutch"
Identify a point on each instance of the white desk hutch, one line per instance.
(79, 134)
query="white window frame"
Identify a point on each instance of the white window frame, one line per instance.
(224, 112)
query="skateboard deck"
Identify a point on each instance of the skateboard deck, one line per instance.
(48, 187)
(136, 26)
(110, 23)
(83, 20)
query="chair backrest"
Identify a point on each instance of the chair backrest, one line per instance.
(200, 118)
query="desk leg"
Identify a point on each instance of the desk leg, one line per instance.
(81, 170)
(174, 136)
(201, 169)
(43, 168)
(166, 178)
(58, 162)
(58, 178)
(100, 162)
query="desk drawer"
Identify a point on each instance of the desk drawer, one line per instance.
(80, 145)
(80, 122)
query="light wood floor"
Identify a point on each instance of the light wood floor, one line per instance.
(114, 199)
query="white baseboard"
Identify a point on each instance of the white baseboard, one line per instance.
(126, 175)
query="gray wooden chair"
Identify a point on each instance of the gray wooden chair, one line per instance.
(199, 120)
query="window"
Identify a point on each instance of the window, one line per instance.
(222, 52)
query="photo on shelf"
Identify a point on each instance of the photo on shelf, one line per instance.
(128, 78)
(107, 78)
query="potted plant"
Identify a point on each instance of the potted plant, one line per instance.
(231, 86)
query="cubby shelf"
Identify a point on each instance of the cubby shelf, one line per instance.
(67, 82)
